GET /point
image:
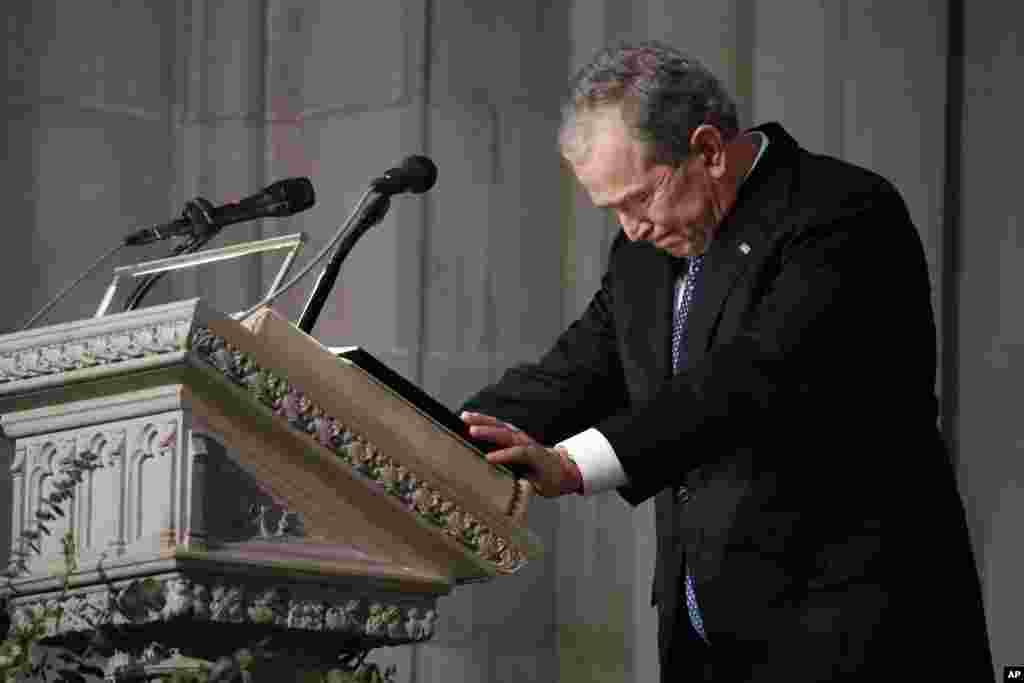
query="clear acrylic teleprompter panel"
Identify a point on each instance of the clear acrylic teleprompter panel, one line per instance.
(293, 242)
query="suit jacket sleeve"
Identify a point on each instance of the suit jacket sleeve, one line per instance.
(574, 385)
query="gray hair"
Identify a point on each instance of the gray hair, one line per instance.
(665, 95)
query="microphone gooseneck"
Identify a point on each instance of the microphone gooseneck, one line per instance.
(417, 174)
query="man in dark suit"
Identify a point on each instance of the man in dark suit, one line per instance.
(760, 358)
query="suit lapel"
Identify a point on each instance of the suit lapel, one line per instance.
(742, 238)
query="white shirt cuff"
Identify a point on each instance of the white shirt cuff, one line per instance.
(599, 466)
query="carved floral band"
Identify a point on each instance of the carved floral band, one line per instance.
(178, 597)
(301, 413)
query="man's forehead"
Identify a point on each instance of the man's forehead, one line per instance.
(603, 129)
(612, 162)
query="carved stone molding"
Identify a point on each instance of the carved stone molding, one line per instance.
(301, 413)
(105, 348)
(92, 411)
(378, 619)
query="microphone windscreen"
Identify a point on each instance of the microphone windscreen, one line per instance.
(296, 193)
(417, 174)
(421, 173)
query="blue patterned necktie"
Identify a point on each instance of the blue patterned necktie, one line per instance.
(682, 311)
(680, 350)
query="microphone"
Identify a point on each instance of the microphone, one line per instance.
(282, 198)
(417, 174)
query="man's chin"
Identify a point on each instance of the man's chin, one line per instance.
(682, 249)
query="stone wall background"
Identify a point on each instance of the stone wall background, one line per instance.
(119, 112)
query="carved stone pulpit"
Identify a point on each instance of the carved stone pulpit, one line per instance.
(248, 486)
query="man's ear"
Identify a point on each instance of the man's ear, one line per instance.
(707, 145)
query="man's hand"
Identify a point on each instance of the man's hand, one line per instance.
(549, 470)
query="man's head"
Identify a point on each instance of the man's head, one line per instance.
(651, 134)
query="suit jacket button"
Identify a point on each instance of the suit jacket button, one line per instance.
(682, 494)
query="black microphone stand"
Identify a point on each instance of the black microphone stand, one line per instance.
(371, 215)
(199, 213)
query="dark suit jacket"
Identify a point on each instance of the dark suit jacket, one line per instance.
(822, 520)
